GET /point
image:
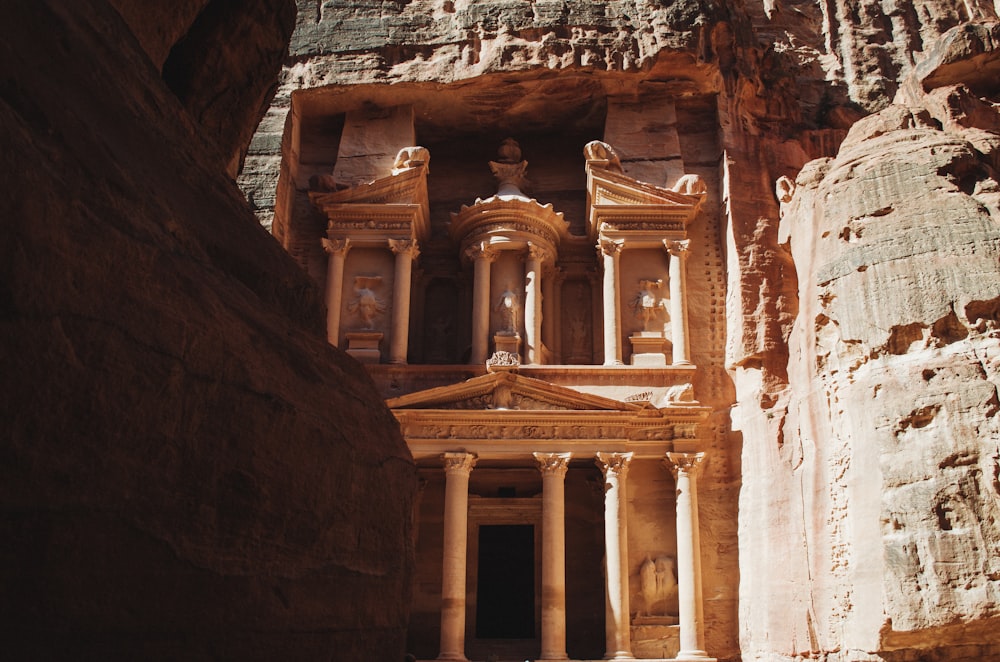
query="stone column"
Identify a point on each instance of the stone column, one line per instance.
(482, 256)
(533, 303)
(686, 467)
(619, 637)
(457, 467)
(406, 252)
(337, 248)
(555, 320)
(553, 467)
(678, 300)
(610, 252)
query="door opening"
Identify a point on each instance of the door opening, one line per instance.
(505, 589)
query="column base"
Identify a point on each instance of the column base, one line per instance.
(459, 657)
(700, 656)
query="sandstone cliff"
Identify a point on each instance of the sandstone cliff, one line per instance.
(859, 312)
(189, 471)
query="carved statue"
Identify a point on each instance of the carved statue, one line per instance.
(597, 150)
(411, 157)
(508, 306)
(367, 305)
(678, 393)
(690, 185)
(658, 586)
(647, 306)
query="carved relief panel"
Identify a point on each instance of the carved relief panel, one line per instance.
(577, 322)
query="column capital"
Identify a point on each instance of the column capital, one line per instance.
(539, 253)
(677, 248)
(481, 251)
(553, 463)
(404, 247)
(609, 247)
(459, 462)
(690, 464)
(614, 463)
(336, 246)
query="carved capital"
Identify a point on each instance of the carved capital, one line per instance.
(336, 246)
(404, 247)
(553, 463)
(459, 463)
(609, 247)
(689, 464)
(539, 253)
(677, 248)
(614, 464)
(481, 251)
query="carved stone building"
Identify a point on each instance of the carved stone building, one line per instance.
(533, 341)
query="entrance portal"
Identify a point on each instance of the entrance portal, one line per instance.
(505, 605)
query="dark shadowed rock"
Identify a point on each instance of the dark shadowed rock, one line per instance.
(188, 471)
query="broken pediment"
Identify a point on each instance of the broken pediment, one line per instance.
(394, 201)
(508, 391)
(620, 204)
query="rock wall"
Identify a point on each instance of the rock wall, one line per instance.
(860, 299)
(179, 478)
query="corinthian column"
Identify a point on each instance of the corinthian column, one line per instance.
(553, 467)
(619, 637)
(610, 251)
(337, 248)
(686, 467)
(457, 467)
(406, 252)
(482, 255)
(678, 299)
(533, 303)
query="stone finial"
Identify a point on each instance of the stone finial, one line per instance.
(510, 170)
(503, 361)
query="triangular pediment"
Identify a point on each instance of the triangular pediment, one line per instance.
(504, 391)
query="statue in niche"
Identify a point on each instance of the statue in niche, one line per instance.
(658, 587)
(508, 306)
(367, 305)
(647, 305)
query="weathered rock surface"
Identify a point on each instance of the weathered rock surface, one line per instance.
(882, 455)
(189, 471)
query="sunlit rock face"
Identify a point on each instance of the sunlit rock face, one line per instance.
(189, 471)
(860, 295)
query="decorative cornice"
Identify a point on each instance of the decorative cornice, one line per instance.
(509, 218)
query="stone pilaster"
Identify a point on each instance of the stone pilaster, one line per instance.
(553, 467)
(406, 252)
(678, 300)
(686, 467)
(619, 638)
(337, 249)
(457, 467)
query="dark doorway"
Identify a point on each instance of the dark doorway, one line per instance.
(505, 589)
